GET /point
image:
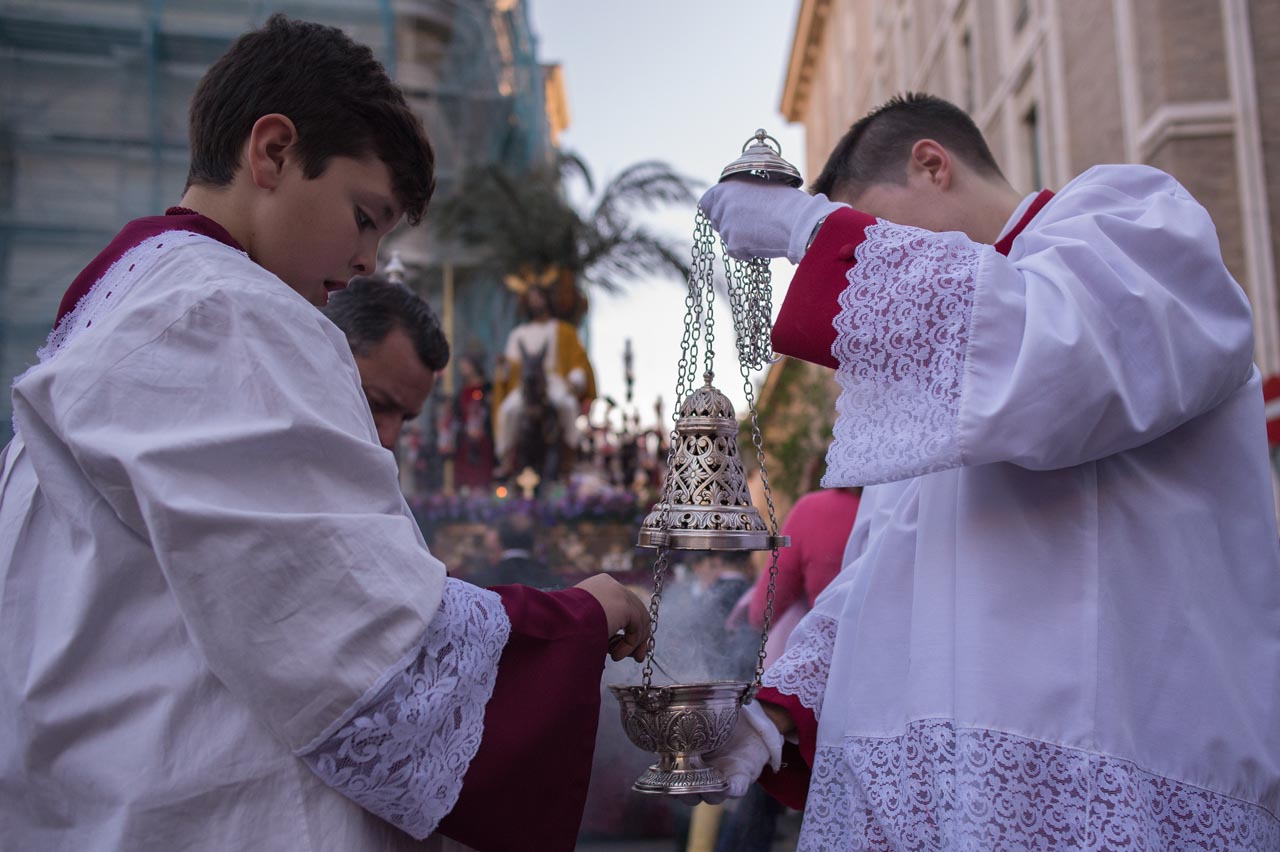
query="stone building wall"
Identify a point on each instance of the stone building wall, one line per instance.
(1058, 86)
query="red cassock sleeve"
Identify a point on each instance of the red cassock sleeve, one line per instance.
(804, 327)
(527, 785)
(790, 784)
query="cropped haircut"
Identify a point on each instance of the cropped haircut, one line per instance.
(335, 92)
(877, 147)
(370, 308)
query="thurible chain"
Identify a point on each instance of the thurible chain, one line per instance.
(701, 272)
(751, 298)
(749, 285)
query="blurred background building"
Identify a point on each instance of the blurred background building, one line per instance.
(1058, 86)
(93, 106)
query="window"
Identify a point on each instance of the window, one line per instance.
(968, 72)
(1022, 16)
(1031, 141)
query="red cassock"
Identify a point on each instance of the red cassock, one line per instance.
(526, 786)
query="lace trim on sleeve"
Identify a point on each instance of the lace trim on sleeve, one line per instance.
(803, 668)
(403, 754)
(901, 335)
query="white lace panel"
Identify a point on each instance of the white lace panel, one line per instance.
(969, 790)
(403, 753)
(803, 668)
(901, 335)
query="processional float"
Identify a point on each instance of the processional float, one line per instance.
(704, 503)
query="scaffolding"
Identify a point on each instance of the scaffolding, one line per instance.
(93, 109)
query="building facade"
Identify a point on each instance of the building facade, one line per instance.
(1058, 86)
(93, 129)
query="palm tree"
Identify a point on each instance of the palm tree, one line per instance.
(527, 230)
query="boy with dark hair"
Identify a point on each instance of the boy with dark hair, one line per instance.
(221, 628)
(873, 150)
(1057, 623)
(337, 96)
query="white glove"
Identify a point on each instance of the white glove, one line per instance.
(754, 743)
(757, 218)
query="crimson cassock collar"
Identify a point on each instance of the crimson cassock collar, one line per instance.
(137, 231)
(1005, 243)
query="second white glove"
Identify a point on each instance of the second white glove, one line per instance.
(754, 744)
(756, 218)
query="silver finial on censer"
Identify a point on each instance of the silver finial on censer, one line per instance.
(761, 160)
(705, 504)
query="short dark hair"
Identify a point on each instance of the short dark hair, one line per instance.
(876, 148)
(335, 92)
(370, 307)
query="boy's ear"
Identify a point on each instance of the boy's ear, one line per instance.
(269, 149)
(933, 162)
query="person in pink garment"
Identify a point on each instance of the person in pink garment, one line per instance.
(819, 526)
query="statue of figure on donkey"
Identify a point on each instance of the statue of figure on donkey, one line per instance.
(543, 381)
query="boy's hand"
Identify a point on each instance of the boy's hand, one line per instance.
(628, 619)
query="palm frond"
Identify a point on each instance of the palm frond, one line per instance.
(634, 254)
(648, 185)
(569, 163)
(525, 219)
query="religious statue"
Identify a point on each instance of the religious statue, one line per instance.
(569, 379)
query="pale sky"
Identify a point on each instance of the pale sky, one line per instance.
(685, 82)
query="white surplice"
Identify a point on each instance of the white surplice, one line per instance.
(1058, 625)
(215, 607)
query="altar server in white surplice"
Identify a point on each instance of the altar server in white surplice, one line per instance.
(1058, 623)
(220, 628)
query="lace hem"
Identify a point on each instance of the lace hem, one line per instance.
(901, 336)
(803, 668)
(970, 790)
(403, 755)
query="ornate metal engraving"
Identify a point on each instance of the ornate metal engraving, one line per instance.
(680, 724)
(706, 503)
(699, 730)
